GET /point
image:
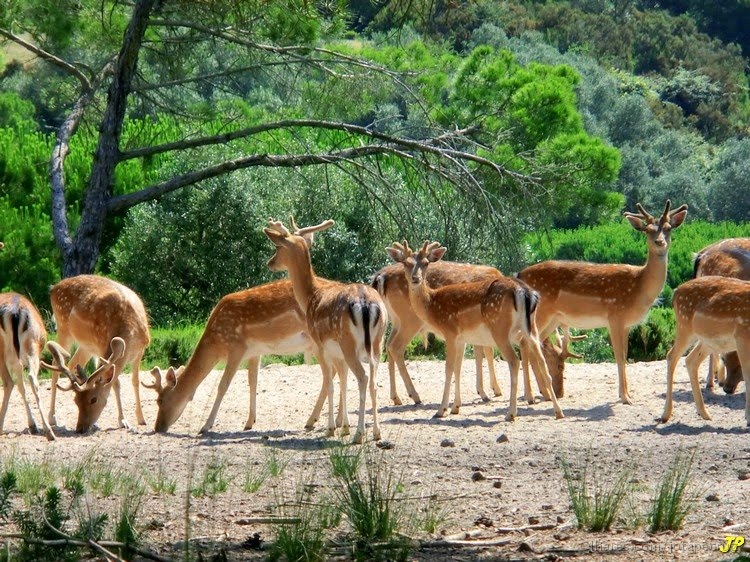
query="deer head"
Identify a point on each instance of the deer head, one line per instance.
(658, 231)
(290, 244)
(90, 391)
(166, 416)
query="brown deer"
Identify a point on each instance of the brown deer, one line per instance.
(614, 296)
(727, 258)
(345, 321)
(22, 337)
(392, 286)
(91, 310)
(495, 312)
(713, 312)
(90, 391)
(243, 326)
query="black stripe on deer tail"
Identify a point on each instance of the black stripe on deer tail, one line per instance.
(697, 264)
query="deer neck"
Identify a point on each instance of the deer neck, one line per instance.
(204, 358)
(303, 280)
(421, 298)
(653, 274)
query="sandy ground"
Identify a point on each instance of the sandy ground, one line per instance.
(521, 508)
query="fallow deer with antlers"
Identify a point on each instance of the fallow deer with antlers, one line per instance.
(345, 321)
(90, 391)
(22, 337)
(243, 326)
(496, 312)
(714, 313)
(614, 296)
(727, 258)
(92, 310)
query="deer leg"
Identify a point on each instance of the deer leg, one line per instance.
(253, 365)
(618, 336)
(135, 376)
(513, 364)
(342, 418)
(744, 355)
(348, 347)
(693, 362)
(64, 339)
(458, 360)
(233, 363)
(34, 382)
(315, 414)
(489, 354)
(681, 344)
(18, 377)
(116, 387)
(478, 357)
(399, 338)
(373, 363)
(528, 393)
(451, 349)
(7, 390)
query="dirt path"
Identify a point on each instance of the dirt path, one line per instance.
(523, 486)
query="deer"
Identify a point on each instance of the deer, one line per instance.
(346, 322)
(90, 391)
(714, 313)
(614, 296)
(394, 290)
(92, 310)
(243, 326)
(727, 258)
(22, 338)
(494, 312)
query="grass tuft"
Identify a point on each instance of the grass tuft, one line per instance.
(673, 501)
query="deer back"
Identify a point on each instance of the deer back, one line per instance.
(92, 310)
(728, 258)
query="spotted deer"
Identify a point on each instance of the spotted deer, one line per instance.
(346, 322)
(90, 391)
(92, 310)
(714, 313)
(614, 296)
(727, 258)
(22, 337)
(243, 326)
(494, 312)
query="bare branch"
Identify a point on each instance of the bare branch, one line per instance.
(50, 58)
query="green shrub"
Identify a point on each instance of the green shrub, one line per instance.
(651, 340)
(673, 499)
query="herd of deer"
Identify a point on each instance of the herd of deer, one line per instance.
(343, 325)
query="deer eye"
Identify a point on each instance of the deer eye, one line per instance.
(93, 400)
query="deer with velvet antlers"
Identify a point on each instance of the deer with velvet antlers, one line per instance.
(92, 310)
(243, 326)
(495, 312)
(22, 337)
(346, 322)
(614, 296)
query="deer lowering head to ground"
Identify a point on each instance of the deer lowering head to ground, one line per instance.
(22, 337)
(243, 326)
(91, 310)
(90, 391)
(495, 312)
(346, 322)
(713, 313)
(613, 296)
(727, 258)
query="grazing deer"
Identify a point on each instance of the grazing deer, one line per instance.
(393, 287)
(346, 322)
(243, 326)
(614, 296)
(495, 312)
(22, 337)
(727, 258)
(91, 310)
(713, 312)
(90, 391)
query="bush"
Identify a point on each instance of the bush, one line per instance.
(651, 340)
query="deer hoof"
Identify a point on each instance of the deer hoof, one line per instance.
(396, 400)
(357, 439)
(510, 417)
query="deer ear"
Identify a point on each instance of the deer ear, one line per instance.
(171, 377)
(677, 219)
(636, 222)
(437, 253)
(106, 377)
(395, 254)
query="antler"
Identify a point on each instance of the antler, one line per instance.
(278, 226)
(642, 214)
(156, 372)
(310, 229)
(59, 355)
